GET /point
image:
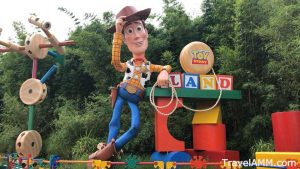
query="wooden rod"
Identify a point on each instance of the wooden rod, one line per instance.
(2, 50)
(65, 43)
(49, 35)
(73, 161)
(4, 44)
(146, 163)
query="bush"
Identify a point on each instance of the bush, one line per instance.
(261, 146)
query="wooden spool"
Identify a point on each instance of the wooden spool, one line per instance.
(32, 47)
(196, 58)
(33, 92)
(29, 142)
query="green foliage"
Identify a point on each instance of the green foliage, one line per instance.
(13, 122)
(259, 125)
(256, 41)
(76, 122)
(261, 146)
(83, 147)
(93, 50)
(21, 32)
(177, 28)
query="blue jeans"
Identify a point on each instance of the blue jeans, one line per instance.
(114, 125)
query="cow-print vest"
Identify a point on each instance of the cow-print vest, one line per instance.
(144, 69)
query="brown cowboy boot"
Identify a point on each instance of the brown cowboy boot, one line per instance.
(105, 153)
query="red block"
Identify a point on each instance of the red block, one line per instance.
(164, 141)
(176, 79)
(226, 82)
(216, 156)
(209, 137)
(286, 130)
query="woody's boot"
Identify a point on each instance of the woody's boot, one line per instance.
(105, 153)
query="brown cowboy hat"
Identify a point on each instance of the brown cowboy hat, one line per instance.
(132, 14)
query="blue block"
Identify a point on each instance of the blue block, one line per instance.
(57, 57)
(175, 156)
(191, 81)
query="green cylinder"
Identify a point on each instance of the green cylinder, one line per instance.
(31, 117)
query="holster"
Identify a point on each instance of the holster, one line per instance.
(113, 95)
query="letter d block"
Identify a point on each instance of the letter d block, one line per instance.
(226, 82)
(176, 79)
(208, 82)
(191, 81)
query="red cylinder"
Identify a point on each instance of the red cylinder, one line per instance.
(209, 137)
(286, 131)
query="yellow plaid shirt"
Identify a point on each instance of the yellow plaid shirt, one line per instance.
(121, 66)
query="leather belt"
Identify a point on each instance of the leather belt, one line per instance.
(132, 89)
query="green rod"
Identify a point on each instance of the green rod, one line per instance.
(31, 117)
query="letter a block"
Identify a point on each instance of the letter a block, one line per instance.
(191, 80)
(208, 82)
(176, 79)
(226, 82)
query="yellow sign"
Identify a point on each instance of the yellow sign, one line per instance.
(196, 58)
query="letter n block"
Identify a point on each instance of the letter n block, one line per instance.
(208, 82)
(191, 80)
(176, 79)
(226, 82)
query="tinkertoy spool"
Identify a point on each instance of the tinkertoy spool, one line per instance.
(33, 92)
(32, 47)
(29, 142)
(196, 58)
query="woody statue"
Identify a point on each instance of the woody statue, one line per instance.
(130, 28)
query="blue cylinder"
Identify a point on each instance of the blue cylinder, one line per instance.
(50, 72)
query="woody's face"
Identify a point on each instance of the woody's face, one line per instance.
(136, 38)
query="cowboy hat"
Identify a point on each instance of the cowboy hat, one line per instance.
(132, 14)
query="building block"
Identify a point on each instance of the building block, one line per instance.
(209, 137)
(213, 116)
(226, 82)
(215, 156)
(191, 80)
(286, 130)
(280, 159)
(208, 82)
(176, 79)
(164, 141)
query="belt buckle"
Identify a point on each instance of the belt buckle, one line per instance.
(131, 89)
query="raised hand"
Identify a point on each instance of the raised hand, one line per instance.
(120, 23)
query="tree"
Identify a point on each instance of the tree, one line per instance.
(282, 31)
(176, 28)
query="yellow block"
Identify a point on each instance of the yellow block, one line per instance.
(208, 82)
(280, 159)
(213, 116)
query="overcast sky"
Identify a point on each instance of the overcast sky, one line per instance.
(19, 10)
